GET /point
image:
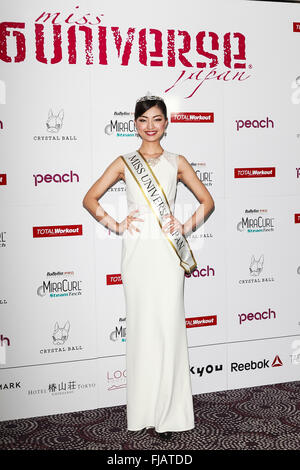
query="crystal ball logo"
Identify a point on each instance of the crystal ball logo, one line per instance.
(55, 121)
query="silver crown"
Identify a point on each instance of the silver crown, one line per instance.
(150, 98)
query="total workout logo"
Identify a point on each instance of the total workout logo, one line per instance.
(212, 55)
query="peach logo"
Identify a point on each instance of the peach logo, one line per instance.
(57, 178)
(266, 315)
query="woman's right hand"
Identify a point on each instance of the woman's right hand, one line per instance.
(127, 224)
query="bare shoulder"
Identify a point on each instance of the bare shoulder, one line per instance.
(119, 161)
(182, 165)
(182, 160)
(118, 165)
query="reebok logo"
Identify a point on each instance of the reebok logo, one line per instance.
(264, 364)
(277, 362)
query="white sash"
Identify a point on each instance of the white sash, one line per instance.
(158, 202)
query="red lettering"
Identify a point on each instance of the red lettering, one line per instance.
(39, 41)
(128, 44)
(241, 47)
(200, 49)
(102, 45)
(143, 47)
(20, 41)
(88, 44)
(158, 48)
(185, 49)
(171, 48)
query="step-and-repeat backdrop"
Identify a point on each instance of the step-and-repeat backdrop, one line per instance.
(70, 76)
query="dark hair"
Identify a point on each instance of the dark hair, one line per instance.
(142, 106)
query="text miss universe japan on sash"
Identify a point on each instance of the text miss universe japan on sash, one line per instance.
(158, 202)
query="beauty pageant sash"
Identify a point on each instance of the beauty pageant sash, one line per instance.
(158, 202)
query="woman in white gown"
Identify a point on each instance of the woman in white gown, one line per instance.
(159, 392)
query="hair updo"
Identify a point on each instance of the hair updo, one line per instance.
(142, 106)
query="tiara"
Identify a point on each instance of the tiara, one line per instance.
(150, 98)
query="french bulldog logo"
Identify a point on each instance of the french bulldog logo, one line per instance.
(256, 266)
(60, 335)
(55, 121)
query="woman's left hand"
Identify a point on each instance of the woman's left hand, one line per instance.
(172, 225)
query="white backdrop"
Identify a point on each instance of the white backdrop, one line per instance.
(66, 111)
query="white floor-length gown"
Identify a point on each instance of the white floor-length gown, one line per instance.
(159, 392)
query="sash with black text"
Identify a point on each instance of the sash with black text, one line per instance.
(158, 202)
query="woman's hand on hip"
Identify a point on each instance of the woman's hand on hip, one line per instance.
(127, 224)
(172, 225)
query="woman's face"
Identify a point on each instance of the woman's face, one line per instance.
(151, 125)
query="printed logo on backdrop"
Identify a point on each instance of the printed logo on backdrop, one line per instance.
(255, 124)
(55, 287)
(256, 365)
(121, 125)
(256, 267)
(84, 38)
(277, 362)
(116, 379)
(256, 220)
(3, 301)
(193, 117)
(56, 178)
(257, 172)
(120, 185)
(195, 322)
(10, 385)
(3, 240)
(296, 27)
(119, 333)
(60, 336)
(297, 218)
(268, 314)
(4, 340)
(3, 179)
(56, 231)
(113, 279)
(53, 126)
(204, 175)
(204, 370)
(55, 121)
(1, 125)
(207, 271)
(199, 234)
(63, 388)
(4, 344)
